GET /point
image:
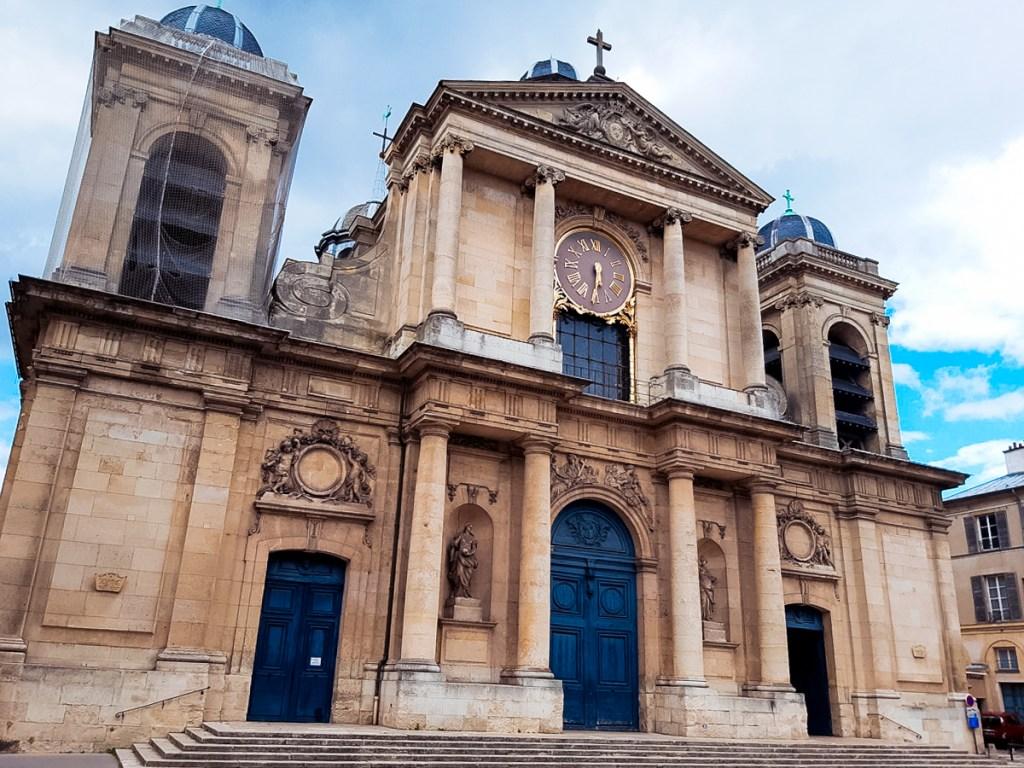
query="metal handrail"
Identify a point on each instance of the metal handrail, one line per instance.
(120, 715)
(917, 735)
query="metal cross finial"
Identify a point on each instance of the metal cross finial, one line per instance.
(384, 138)
(599, 43)
(789, 201)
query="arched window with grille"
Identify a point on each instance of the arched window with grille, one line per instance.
(177, 222)
(851, 389)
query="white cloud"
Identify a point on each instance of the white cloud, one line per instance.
(959, 291)
(1006, 406)
(982, 461)
(911, 436)
(904, 374)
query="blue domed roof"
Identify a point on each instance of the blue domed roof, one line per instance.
(550, 69)
(792, 226)
(215, 22)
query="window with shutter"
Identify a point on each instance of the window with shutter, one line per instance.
(1002, 529)
(980, 603)
(1012, 612)
(971, 532)
(988, 531)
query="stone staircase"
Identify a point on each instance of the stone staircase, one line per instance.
(241, 745)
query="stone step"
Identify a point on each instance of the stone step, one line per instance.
(485, 742)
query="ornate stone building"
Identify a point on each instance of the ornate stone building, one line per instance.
(548, 438)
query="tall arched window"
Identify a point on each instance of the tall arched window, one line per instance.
(851, 389)
(596, 350)
(177, 220)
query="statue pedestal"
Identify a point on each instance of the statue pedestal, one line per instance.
(714, 632)
(464, 609)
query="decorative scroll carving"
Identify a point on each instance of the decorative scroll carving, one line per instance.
(707, 590)
(451, 143)
(257, 135)
(319, 465)
(626, 315)
(802, 539)
(613, 124)
(472, 492)
(110, 582)
(574, 472)
(798, 300)
(588, 531)
(119, 94)
(631, 232)
(307, 290)
(462, 562)
(546, 174)
(671, 216)
(565, 210)
(709, 527)
(877, 318)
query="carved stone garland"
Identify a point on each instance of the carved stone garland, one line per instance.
(622, 478)
(321, 465)
(802, 539)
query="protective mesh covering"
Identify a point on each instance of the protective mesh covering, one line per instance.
(177, 221)
(181, 173)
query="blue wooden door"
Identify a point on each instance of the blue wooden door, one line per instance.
(293, 673)
(593, 618)
(808, 666)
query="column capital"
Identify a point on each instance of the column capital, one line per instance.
(432, 426)
(673, 468)
(547, 174)
(744, 240)
(761, 484)
(673, 215)
(537, 444)
(451, 143)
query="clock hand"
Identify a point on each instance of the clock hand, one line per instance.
(597, 282)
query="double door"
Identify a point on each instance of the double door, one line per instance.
(594, 643)
(293, 673)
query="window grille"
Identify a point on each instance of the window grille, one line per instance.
(598, 351)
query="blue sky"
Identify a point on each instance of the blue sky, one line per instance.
(901, 125)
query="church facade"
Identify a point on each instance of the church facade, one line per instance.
(552, 437)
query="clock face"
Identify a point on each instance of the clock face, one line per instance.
(593, 272)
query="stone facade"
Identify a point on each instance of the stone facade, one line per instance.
(414, 385)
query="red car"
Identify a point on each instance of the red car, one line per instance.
(1002, 729)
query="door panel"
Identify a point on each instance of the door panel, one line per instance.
(293, 671)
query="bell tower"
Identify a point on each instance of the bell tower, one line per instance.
(182, 165)
(825, 336)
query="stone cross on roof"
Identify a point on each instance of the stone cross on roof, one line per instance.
(599, 43)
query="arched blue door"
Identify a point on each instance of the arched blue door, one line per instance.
(593, 618)
(293, 674)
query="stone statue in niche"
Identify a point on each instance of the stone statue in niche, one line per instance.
(707, 590)
(462, 562)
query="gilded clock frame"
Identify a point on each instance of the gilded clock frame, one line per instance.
(624, 315)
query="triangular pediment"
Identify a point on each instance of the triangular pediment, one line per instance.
(613, 116)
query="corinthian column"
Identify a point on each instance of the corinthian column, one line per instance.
(542, 290)
(750, 313)
(533, 646)
(674, 281)
(769, 599)
(423, 568)
(449, 208)
(684, 582)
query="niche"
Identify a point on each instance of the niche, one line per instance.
(483, 531)
(714, 591)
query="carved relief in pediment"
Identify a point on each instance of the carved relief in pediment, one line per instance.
(613, 123)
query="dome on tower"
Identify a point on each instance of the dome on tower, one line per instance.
(338, 239)
(793, 226)
(550, 69)
(214, 22)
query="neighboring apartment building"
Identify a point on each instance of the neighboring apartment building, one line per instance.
(988, 565)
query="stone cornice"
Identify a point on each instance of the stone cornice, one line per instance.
(789, 264)
(737, 190)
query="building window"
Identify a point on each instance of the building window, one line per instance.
(996, 598)
(177, 221)
(1006, 660)
(987, 532)
(598, 351)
